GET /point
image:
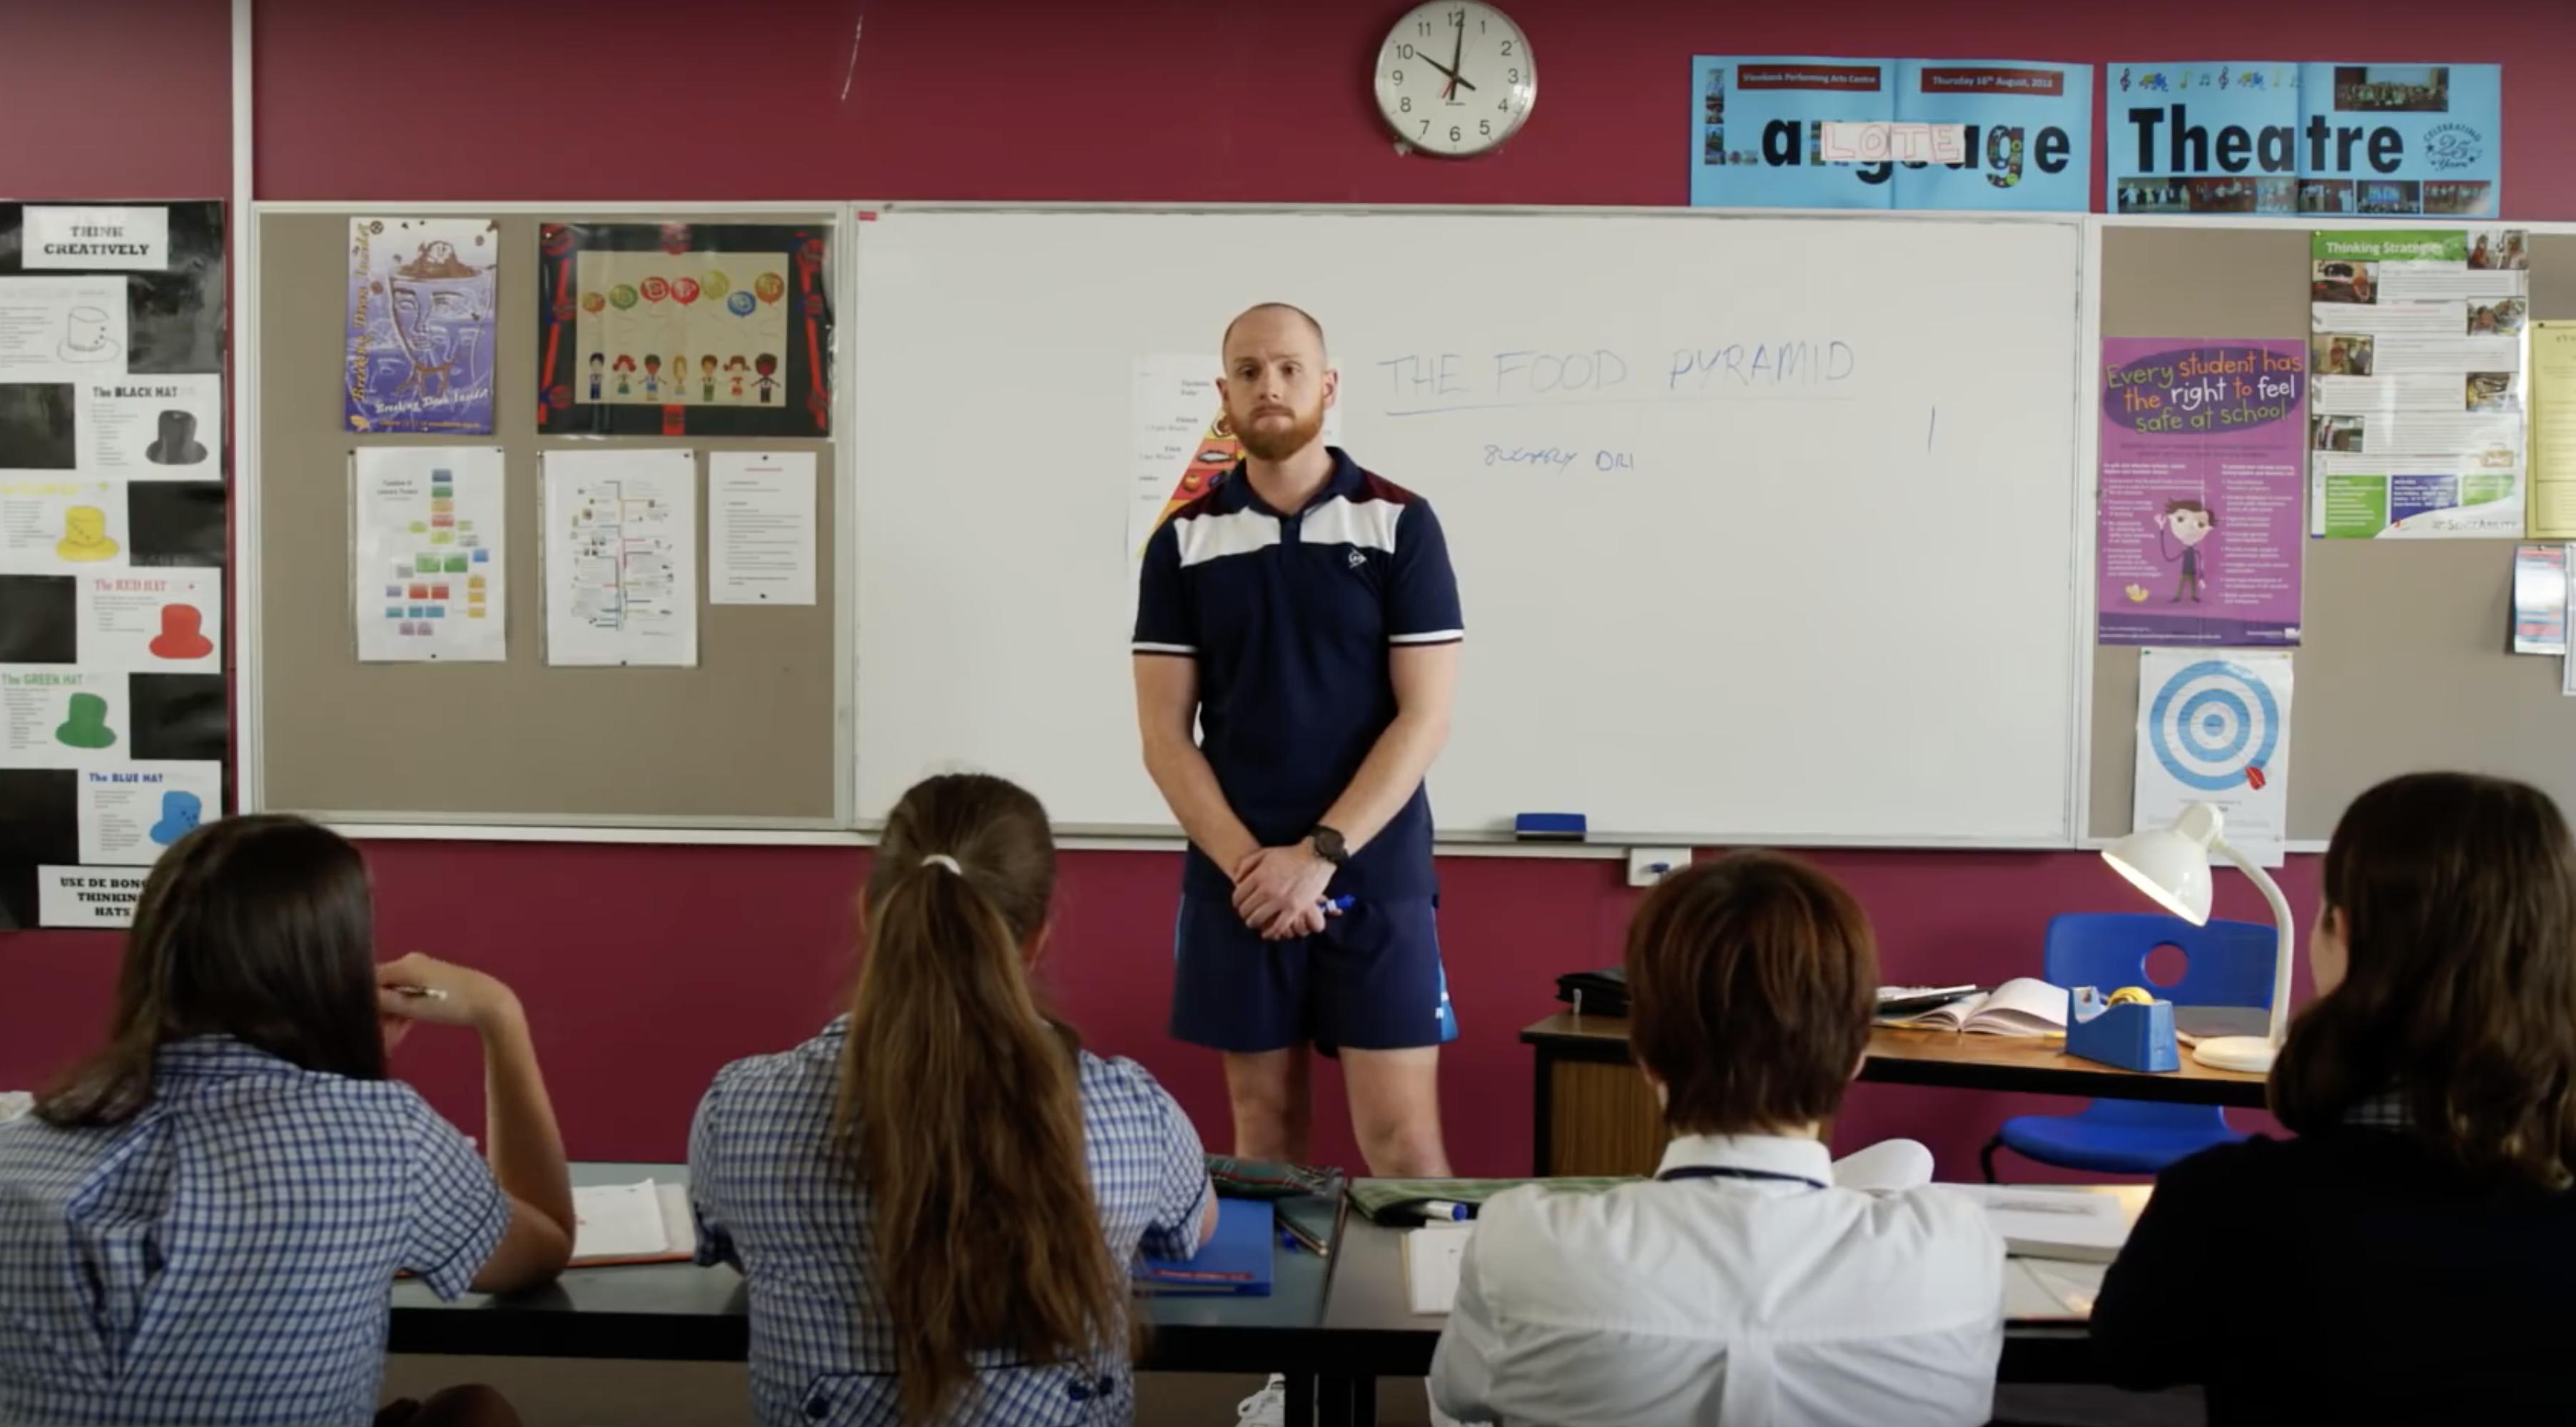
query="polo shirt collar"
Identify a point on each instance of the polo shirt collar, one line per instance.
(215, 1058)
(1760, 1154)
(1345, 481)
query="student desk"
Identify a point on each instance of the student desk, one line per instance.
(1595, 1116)
(682, 1312)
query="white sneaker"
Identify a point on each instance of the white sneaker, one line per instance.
(1266, 1408)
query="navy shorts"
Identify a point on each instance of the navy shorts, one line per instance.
(1371, 980)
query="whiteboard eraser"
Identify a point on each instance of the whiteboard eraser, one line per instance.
(1548, 827)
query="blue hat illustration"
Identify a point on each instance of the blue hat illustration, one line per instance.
(179, 815)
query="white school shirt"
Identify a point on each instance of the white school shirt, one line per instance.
(1770, 1299)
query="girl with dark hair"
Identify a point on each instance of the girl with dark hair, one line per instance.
(202, 1223)
(2405, 1258)
(937, 1200)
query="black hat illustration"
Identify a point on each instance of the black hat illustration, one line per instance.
(178, 445)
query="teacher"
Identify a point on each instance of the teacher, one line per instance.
(1296, 655)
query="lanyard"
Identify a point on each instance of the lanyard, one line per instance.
(1717, 1171)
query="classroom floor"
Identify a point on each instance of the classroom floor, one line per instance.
(556, 1393)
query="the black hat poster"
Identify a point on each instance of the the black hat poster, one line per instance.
(154, 428)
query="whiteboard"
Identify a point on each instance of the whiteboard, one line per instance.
(1766, 527)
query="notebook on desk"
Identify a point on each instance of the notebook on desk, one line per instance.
(632, 1223)
(1235, 1262)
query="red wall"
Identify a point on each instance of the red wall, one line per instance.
(699, 955)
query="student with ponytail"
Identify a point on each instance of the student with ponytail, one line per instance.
(936, 1201)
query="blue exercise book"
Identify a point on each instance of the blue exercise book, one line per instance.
(1236, 1262)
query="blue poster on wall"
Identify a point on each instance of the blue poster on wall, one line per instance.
(1765, 132)
(2272, 137)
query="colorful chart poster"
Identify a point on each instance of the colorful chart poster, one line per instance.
(681, 330)
(2273, 137)
(423, 296)
(131, 813)
(621, 557)
(2215, 728)
(1179, 439)
(429, 569)
(1994, 134)
(2416, 416)
(2202, 472)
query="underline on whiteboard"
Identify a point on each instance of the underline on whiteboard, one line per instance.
(1599, 401)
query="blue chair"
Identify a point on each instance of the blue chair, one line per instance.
(2231, 964)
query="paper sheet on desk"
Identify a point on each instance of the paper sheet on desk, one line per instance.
(2052, 1223)
(628, 1221)
(2046, 1290)
(1431, 1257)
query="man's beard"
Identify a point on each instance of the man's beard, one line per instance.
(1277, 444)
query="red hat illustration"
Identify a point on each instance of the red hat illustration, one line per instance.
(182, 634)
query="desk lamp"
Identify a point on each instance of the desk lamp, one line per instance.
(2171, 865)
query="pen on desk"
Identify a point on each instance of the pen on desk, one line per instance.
(1445, 1209)
(419, 993)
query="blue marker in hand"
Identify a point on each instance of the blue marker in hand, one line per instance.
(1335, 906)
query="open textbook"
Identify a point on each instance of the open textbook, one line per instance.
(2023, 1006)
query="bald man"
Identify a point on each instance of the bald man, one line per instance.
(1296, 653)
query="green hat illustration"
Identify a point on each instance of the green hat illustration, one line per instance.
(87, 726)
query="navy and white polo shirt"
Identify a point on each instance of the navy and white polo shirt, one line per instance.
(1290, 618)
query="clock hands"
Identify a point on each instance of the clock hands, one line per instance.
(1457, 60)
(1455, 80)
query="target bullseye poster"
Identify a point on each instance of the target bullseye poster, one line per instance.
(2214, 727)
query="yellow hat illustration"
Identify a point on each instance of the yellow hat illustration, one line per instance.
(85, 535)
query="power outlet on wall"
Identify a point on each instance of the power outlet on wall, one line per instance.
(1650, 865)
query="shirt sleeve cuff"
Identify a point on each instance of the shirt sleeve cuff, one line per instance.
(456, 1273)
(1429, 636)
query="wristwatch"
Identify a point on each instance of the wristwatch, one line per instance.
(1328, 845)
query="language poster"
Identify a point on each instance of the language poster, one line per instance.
(2214, 727)
(429, 567)
(2202, 471)
(423, 296)
(1994, 134)
(2416, 418)
(2272, 137)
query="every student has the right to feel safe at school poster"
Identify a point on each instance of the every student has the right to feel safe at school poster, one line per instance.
(2199, 508)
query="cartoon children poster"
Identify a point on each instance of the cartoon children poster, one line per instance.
(2202, 451)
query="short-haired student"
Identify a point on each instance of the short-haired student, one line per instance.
(203, 1222)
(2408, 1256)
(1743, 1285)
(938, 1200)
